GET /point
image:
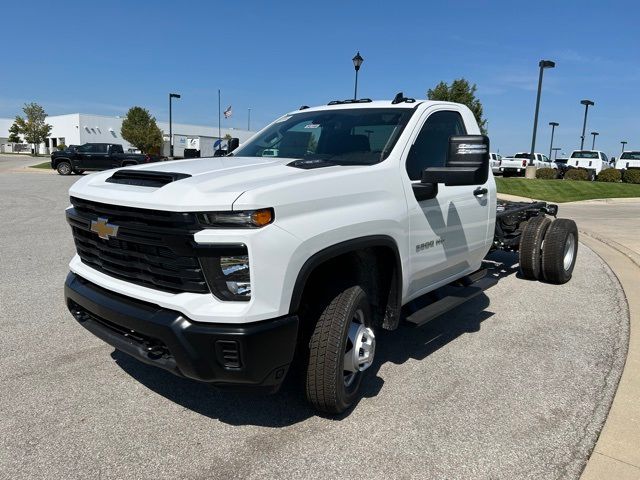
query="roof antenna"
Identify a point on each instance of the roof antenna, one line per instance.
(399, 98)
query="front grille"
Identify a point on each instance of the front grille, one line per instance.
(153, 248)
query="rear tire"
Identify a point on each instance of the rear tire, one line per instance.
(341, 348)
(560, 251)
(64, 168)
(531, 247)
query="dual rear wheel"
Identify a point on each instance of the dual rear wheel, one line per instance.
(548, 250)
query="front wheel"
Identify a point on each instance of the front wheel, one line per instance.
(64, 168)
(341, 349)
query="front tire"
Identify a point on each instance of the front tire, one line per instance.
(341, 349)
(64, 168)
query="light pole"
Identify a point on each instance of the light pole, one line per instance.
(249, 120)
(357, 63)
(553, 128)
(555, 157)
(593, 145)
(623, 142)
(586, 104)
(171, 96)
(531, 172)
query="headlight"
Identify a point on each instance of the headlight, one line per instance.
(228, 274)
(239, 219)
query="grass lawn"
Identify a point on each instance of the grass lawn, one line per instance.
(565, 190)
(42, 165)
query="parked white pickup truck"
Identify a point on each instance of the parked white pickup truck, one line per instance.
(628, 159)
(594, 161)
(517, 164)
(229, 270)
(494, 162)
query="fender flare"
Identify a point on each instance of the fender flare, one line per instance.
(60, 159)
(341, 248)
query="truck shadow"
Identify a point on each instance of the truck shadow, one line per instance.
(288, 406)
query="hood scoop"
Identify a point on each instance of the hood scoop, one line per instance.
(145, 178)
(310, 164)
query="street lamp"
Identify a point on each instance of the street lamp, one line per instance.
(586, 104)
(543, 64)
(593, 145)
(623, 142)
(553, 128)
(555, 157)
(357, 63)
(171, 96)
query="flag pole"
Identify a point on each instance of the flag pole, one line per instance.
(219, 129)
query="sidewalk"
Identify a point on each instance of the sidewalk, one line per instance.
(611, 228)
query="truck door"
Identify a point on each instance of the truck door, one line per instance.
(448, 233)
(85, 157)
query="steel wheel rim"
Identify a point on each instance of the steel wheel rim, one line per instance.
(360, 348)
(569, 251)
(64, 168)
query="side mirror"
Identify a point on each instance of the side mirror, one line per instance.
(467, 162)
(232, 144)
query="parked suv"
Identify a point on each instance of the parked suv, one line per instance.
(96, 156)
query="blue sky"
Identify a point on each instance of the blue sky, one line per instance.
(272, 57)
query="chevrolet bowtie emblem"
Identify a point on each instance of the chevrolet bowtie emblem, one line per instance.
(103, 228)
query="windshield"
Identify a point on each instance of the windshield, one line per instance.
(584, 154)
(357, 136)
(630, 156)
(521, 155)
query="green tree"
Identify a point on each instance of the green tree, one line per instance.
(460, 91)
(14, 134)
(140, 129)
(33, 127)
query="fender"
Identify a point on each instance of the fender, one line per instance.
(340, 249)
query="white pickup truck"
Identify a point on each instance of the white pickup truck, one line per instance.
(517, 164)
(594, 161)
(230, 270)
(628, 159)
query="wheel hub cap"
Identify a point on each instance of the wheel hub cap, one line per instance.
(569, 251)
(360, 349)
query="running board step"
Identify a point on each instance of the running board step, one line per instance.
(456, 296)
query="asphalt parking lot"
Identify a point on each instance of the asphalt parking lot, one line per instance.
(515, 384)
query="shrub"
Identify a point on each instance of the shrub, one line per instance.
(576, 174)
(546, 173)
(631, 176)
(61, 146)
(609, 175)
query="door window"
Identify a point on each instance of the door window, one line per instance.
(101, 148)
(432, 144)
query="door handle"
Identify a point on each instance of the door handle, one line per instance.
(480, 191)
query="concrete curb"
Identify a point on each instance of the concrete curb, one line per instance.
(616, 454)
(515, 198)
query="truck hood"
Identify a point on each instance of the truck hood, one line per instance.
(213, 184)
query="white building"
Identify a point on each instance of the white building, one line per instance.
(80, 128)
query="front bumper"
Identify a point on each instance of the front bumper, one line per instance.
(253, 354)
